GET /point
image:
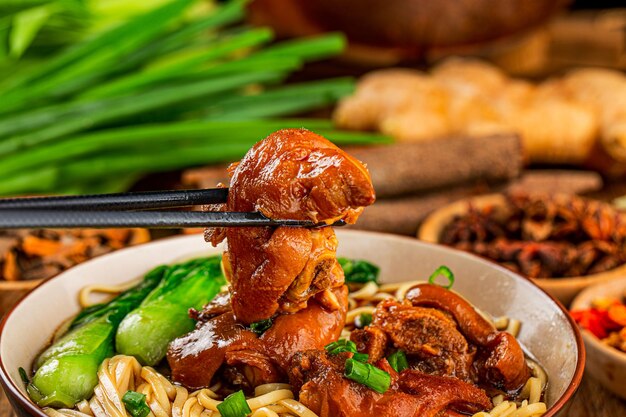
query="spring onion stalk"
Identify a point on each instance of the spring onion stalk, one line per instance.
(343, 345)
(135, 404)
(166, 89)
(398, 361)
(124, 85)
(368, 375)
(446, 273)
(235, 405)
(94, 54)
(115, 109)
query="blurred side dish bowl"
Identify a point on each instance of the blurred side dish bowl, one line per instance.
(564, 243)
(600, 312)
(27, 257)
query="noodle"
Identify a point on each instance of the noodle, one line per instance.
(121, 373)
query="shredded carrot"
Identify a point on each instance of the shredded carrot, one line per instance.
(10, 271)
(40, 247)
(617, 313)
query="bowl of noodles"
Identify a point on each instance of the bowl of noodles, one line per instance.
(552, 345)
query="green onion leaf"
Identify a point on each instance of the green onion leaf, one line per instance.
(368, 375)
(23, 376)
(135, 404)
(445, 271)
(398, 361)
(234, 405)
(343, 345)
(261, 326)
(361, 357)
(358, 271)
(363, 320)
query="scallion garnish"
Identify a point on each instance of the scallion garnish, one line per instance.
(235, 405)
(261, 326)
(135, 404)
(368, 375)
(362, 320)
(357, 271)
(398, 361)
(343, 345)
(445, 271)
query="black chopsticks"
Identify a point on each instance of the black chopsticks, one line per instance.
(148, 200)
(55, 219)
(126, 210)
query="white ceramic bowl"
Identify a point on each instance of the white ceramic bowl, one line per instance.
(547, 330)
(606, 364)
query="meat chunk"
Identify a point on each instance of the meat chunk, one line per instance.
(292, 174)
(221, 345)
(322, 387)
(429, 334)
(501, 358)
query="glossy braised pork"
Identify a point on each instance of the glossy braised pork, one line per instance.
(292, 174)
(222, 345)
(500, 359)
(319, 378)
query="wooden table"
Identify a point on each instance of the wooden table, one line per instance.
(591, 401)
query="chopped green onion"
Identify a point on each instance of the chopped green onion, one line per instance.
(261, 326)
(343, 345)
(398, 361)
(135, 404)
(445, 271)
(368, 375)
(358, 271)
(235, 405)
(23, 376)
(363, 320)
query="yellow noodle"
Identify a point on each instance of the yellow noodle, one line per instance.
(264, 412)
(394, 287)
(297, 408)
(354, 313)
(366, 292)
(531, 410)
(179, 401)
(84, 294)
(535, 390)
(497, 400)
(514, 327)
(501, 323)
(270, 398)
(208, 402)
(279, 409)
(265, 388)
(186, 410)
(84, 408)
(538, 372)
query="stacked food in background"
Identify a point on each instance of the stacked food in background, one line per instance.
(575, 119)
